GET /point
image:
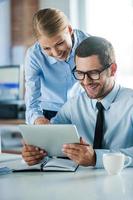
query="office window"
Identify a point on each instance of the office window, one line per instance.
(113, 19)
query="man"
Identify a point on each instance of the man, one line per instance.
(95, 69)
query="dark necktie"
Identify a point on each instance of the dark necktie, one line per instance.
(97, 144)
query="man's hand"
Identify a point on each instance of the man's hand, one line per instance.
(41, 120)
(82, 153)
(32, 155)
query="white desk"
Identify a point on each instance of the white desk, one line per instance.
(84, 184)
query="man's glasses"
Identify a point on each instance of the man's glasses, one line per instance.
(93, 74)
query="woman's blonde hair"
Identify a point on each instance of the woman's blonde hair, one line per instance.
(49, 22)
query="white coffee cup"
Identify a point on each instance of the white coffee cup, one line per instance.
(115, 162)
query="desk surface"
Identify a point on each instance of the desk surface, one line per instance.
(84, 184)
(12, 121)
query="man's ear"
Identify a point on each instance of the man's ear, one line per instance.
(113, 68)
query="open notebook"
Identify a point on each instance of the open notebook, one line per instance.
(49, 164)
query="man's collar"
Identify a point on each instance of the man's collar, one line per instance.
(108, 99)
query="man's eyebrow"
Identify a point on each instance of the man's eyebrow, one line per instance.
(89, 70)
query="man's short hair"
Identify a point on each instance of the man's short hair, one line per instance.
(97, 46)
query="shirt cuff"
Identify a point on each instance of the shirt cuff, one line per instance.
(33, 118)
(99, 157)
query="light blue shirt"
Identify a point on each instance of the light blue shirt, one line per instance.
(118, 120)
(49, 82)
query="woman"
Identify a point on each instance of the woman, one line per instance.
(48, 65)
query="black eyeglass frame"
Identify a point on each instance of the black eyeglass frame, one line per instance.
(88, 73)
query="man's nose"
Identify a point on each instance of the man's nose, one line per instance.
(87, 80)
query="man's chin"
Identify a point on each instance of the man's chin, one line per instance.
(94, 96)
(91, 95)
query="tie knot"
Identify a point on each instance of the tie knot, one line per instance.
(99, 106)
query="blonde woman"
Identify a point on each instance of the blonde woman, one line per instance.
(48, 65)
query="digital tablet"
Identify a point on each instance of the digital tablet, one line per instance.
(50, 137)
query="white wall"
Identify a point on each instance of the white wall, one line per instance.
(60, 4)
(5, 30)
(74, 9)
